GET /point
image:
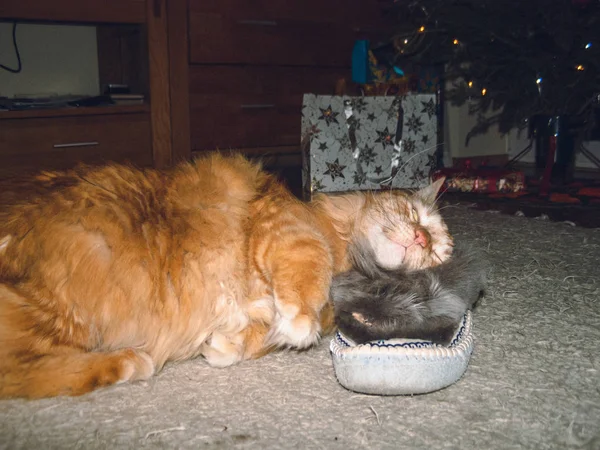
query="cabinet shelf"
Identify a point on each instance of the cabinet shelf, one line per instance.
(75, 111)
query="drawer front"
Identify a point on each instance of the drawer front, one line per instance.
(58, 143)
(349, 11)
(125, 11)
(319, 33)
(235, 107)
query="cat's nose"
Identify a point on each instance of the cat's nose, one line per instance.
(421, 238)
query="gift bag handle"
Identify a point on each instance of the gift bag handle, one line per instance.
(352, 124)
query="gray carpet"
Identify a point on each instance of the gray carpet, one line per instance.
(533, 381)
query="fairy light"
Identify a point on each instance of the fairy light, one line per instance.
(406, 41)
(580, 67)
(455, 41)
(588, 45)
(422, 29)
(539, 80)
(470, 84)
(483, 91)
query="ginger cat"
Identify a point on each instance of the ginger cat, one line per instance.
(108, 273)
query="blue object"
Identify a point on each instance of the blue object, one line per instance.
(360, 62)
(402, 366)
(399, 71)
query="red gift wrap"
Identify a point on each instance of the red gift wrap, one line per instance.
(481, 180)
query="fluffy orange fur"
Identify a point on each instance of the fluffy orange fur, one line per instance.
(108, 273)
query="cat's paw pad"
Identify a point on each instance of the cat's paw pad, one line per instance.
(300, 331)
(221, 351)
(134, 365)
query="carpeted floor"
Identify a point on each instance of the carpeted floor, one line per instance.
(533, 381)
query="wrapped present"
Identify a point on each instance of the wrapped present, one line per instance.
(481, 180)
(365, 143)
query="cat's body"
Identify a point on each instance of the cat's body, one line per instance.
(107, 273)
(373, 303)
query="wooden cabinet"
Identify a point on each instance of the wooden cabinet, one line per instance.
(115, 11)
(132, 48)
(217, 74)
(252, 106)
(249, 62)
(61, 142)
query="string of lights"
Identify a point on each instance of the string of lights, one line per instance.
(510, 59)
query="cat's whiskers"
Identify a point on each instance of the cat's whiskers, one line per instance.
(437, 256)
(446, 206)
(414, 156)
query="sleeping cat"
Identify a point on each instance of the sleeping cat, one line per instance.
(373, 303)
(107, 273)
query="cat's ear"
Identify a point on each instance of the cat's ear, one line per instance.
(429, 193)
(343, 210)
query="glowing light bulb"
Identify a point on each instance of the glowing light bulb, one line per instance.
(470, 84)
(539, 80)
(588, 45)
(422, 29)
(580, 67)
(455, 41)
(483, 91)
(406, 41)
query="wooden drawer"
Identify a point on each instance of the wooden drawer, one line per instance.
(313, 32)
(352, 12)
(235, 107)
(122, 11)
(62, 142)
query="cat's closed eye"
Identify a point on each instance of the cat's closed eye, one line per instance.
(414, 215)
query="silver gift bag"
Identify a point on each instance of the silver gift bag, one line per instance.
(361, 143)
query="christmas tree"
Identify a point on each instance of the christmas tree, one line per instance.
(514, 58)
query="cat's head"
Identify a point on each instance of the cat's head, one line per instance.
(404, 228)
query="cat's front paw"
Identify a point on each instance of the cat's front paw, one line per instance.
(293, 328)
(222, 351)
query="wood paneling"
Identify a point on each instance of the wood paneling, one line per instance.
(158, 63)
(80, 111)
(241, 107)
(179, 79)
(353, 13)
(133, 48)
(52, 143)
(118, 11)
(222, 40)
(311, 32)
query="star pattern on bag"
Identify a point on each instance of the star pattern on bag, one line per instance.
(329, 115)
(360, 105)
(418, 174)
(334, 169)
(429, 108)
(337, 165)
(414, 124)
(313, 130)
(345, 142)
(316, 184)
(385, 137)
(409, 146)
(367, 155)
(359, 178)
(432, 161)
